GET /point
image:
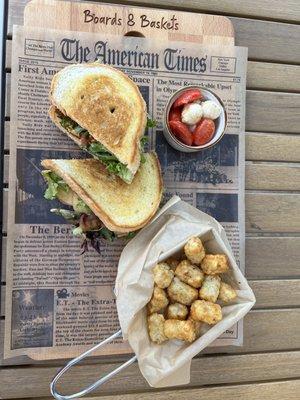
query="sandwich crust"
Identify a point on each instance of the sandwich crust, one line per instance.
(121, 207)
(105, 102)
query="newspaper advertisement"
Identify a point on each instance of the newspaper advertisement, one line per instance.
(59, 302)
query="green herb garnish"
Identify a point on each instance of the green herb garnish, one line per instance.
(107, 234)
(130, 235)
(151, 123)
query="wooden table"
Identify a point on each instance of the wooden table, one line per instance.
(268, 365)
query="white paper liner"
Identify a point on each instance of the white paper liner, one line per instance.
(169, 364)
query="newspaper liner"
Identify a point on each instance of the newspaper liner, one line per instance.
(169, 364)
(37, 243)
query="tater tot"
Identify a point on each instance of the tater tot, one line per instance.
(206, 311)
(182, 330)
(213, 264)
(163, 275)
(159, 300)
(210, 288)
(177, 311)
(227, 293)
(181, 292)
(156, 328)
(172, 263)
(194, 250)
(197, 326)
(189, 273)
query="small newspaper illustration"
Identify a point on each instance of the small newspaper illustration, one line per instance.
(60, 302)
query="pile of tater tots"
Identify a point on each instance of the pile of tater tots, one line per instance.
(185, 294)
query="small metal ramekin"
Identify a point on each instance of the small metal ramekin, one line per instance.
(220, 122)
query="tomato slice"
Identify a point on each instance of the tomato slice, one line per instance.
(175, 114)
(204, 131)
(188, 96)
(182, 132)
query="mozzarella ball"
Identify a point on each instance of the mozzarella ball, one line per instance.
(207, 312)
(191, 113)
(194, 250)
(211, 109)
(189, 273)
(210, 288)
(156, 328)
(182, 330)
(159, 301)
(182, 293)
(227, 293)
(162, 275)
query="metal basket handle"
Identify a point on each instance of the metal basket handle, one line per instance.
(94, 385)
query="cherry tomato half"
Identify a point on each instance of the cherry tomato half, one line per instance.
(204, 131)
(182, 132)
(188, 96)
(175, 114)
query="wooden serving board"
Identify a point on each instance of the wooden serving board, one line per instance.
(130, 21)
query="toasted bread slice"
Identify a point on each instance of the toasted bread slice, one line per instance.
(105, 102)
(121, 207)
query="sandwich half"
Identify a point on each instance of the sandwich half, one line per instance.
(101, 205)
(103, 111)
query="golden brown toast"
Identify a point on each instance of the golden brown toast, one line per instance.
(121, 207)
(105, 102)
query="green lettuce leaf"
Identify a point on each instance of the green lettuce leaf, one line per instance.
(80, 207)
(54, 184)
(97, 150)
(117, 168)
(67, 123)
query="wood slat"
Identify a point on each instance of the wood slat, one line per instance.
(265, 212)
(3, 260)
(273, 76)
(272, 112)
(6, 135)
(34, 382)
(267, 41)
(4, 211)
(283, 390)
(266, 111)
(264, 330)
(287, 390)
(2, 301)
(272, 257)
(7, 94)
(266, 293)
(267, 176)
(8, 54)
(266, 257)
(287, 11)
(272, 147)
(279, 293)
(272, 176)
(269, 212)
